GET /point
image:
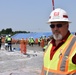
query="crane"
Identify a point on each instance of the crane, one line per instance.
(53, 4)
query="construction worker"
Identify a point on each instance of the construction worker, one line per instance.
(31, 41)
(60, 56)
(0, 42)
(9, 41)
(6, 42)
(39, 40)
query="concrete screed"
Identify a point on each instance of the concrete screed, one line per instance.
(15, 63)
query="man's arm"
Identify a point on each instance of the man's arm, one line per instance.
(74, 59)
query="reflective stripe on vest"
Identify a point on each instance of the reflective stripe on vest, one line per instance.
(62, 67)
(50, 73)
(49, 64)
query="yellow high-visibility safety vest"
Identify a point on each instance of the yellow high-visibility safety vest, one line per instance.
(61, 63)
(8, 39)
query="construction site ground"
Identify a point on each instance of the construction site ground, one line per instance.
(16, 63)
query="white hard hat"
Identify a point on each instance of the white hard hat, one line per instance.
(9, 35)
(58, 15)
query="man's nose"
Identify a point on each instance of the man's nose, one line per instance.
(55, 28)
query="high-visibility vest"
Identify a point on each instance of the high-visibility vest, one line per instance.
(61, 63)
(8, 39)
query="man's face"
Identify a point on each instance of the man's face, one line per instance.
(59, 29)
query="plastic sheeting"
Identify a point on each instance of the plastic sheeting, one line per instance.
(28, 35)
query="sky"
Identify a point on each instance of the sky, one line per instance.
(32, 15)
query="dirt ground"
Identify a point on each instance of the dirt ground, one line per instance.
(16, 63)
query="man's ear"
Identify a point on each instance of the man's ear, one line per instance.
(67, 25)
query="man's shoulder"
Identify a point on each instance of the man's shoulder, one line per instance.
(74, 36)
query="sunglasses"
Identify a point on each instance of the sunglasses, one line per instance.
(56, 25)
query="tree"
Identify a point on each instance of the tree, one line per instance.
(8, 31)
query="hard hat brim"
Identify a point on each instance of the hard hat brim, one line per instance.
(58, 21)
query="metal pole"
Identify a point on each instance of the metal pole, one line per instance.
(53, 4)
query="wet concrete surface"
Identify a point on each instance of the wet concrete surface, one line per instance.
(16, 63)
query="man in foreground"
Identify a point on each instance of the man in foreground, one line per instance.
(60, 55)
